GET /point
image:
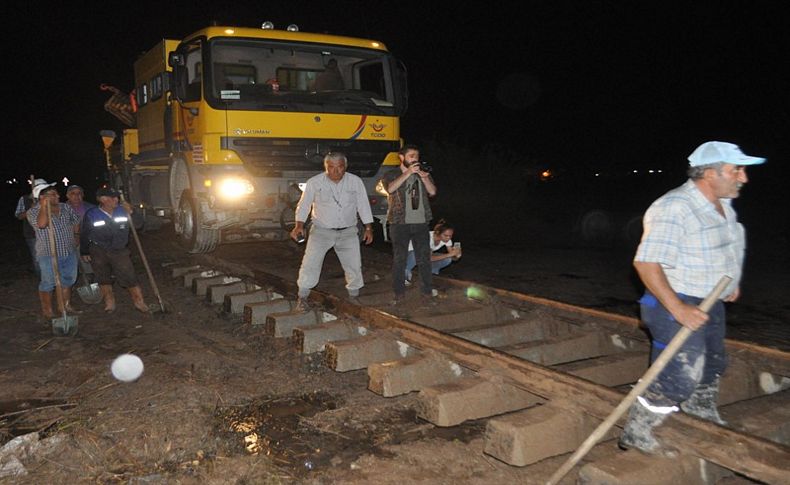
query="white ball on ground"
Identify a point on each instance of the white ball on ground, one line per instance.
(127, 367)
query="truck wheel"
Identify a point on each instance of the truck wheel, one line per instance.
(188, 224)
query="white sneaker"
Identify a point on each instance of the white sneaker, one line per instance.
(407, 282)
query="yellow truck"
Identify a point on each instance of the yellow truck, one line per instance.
(229, 122)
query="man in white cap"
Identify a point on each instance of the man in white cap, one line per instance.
(691, 239)
(22, 206)
(64, 221)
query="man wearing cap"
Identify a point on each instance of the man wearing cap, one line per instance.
(75, 195)
(691, 239)
(22, 206)
(103, 242)
(64, 221)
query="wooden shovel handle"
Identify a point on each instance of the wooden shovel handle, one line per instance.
(55, 269)
(647, 379)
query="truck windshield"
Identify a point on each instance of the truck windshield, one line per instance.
(286, 76)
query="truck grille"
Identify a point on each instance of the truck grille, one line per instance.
(272, 156)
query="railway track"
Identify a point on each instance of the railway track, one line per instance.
(542, 373)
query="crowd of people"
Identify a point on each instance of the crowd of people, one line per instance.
(691, 238)
(335, 199)
(66, 239)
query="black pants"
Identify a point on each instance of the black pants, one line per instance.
(418, 235)
(107, 263)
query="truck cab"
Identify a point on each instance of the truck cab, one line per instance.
(230, 121)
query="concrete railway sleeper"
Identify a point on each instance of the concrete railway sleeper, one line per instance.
(545, 374)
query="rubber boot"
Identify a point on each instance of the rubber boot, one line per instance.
(638, 429)
(67, 301)
(702, 403)
(137, 299)
(108, 297)
(46, 305)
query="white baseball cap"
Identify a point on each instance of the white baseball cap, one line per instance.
(720, 151)
(39, 185)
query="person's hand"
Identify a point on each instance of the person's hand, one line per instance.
(734, 295)
(368, 236)
(86, 258)
(127, 207)
(297, 232)
(690, 316)
(455, 253)
(415, 168)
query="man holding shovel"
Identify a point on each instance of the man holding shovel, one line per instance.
(64, 223)
(104, 239)
(691, 238)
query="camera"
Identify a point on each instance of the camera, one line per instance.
(425, 167)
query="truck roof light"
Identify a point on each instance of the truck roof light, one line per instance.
(292, 28)
(267, 25)
(230, 31)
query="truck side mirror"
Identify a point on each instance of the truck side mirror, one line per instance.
(175, 60)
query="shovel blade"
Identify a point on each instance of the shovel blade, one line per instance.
(65, 326)
(90, 294)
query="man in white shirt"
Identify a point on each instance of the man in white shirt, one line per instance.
(332, 199)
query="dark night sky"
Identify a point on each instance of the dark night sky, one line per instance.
(590, 85)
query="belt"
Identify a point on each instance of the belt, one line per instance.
(339, 228)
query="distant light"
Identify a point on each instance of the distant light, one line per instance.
(292, 28)
(651, 171)
(660, 171)
(636, 171)
(546, 174)
(267, 25)
(597, 175)
(230, 31)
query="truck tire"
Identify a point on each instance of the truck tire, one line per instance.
(189, 226)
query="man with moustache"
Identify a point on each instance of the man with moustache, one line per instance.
(691, 239)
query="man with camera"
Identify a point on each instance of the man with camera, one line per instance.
(409, 213)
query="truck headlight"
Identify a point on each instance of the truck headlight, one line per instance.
(235, 188)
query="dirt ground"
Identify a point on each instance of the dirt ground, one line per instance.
(220, 403)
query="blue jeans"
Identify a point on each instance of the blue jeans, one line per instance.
(436, 266)
(67, 267)
(701, 359)
(401, 235)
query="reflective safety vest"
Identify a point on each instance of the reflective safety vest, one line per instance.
(100, 229)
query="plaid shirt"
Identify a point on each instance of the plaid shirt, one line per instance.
(396, 213)
(694, 244)
(64, 231)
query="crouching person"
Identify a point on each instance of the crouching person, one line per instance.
(104, 240)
